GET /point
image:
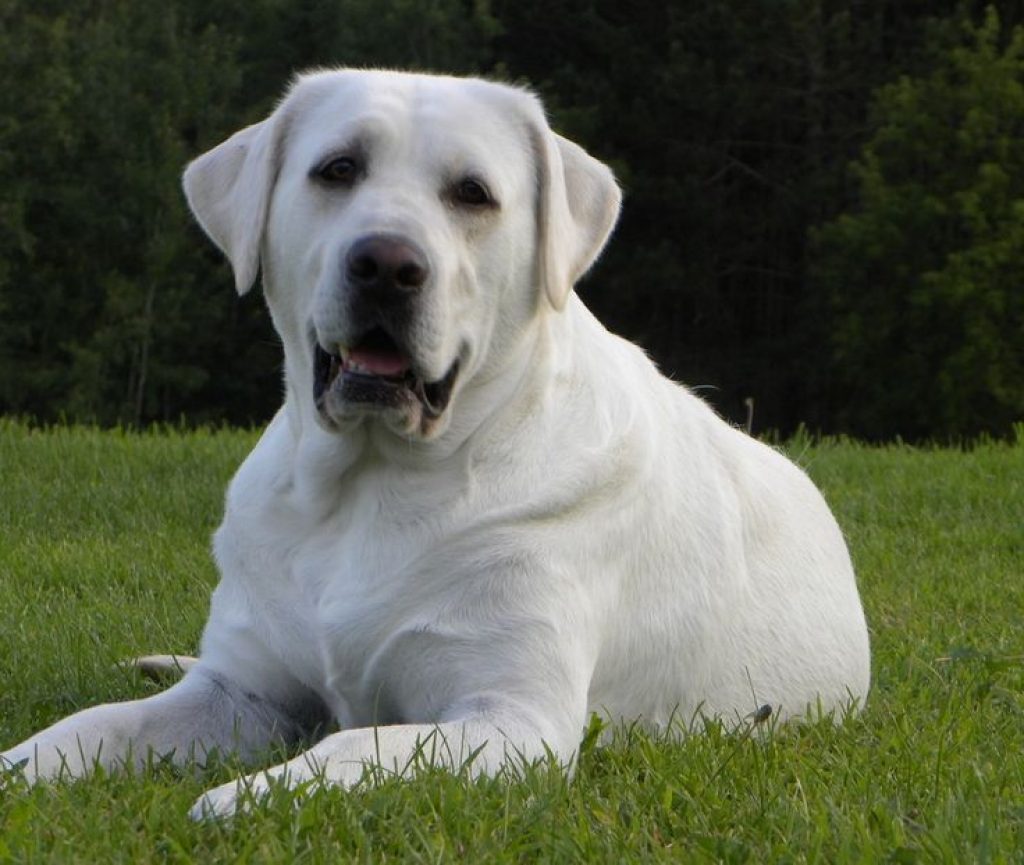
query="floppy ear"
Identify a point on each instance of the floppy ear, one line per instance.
(579, 203)
(228, 189)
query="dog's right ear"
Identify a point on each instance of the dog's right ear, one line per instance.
(228, 189)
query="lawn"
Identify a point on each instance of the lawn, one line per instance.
(104, 541)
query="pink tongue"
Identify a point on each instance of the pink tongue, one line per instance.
(378, 362)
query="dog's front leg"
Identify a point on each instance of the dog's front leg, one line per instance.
(202, 713)
(481, 745)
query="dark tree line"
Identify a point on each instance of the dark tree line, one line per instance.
(824, 201)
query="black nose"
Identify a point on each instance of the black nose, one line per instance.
(386, 263)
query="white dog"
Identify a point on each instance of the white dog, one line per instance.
(479, 516)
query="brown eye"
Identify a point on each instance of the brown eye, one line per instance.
(342, 169)
(472, 193)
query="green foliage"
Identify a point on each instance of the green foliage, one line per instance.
(926, 271)
(105, 556)
(730, 125)
(106, 316)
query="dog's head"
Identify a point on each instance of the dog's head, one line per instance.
(409, 228)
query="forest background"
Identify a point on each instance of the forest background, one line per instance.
(824, 202)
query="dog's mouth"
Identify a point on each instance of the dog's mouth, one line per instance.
(376, 373)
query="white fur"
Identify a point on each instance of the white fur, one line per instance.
(575, 534)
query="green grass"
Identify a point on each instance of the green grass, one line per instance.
(104, 554)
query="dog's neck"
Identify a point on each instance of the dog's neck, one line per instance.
(490, 406)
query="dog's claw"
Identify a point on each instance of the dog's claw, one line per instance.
(230, 800)
(161, 668)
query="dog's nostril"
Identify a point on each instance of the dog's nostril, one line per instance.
(383, 261)
(411, 275)
(362, 267)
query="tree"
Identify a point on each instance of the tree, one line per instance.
(108, 311)
(926, 271)
(730, 126)
(112, 309)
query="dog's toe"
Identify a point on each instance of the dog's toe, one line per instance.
(219, 803)
(161, 668)
(229, 800)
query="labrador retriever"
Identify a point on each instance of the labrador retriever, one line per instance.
(478, 516)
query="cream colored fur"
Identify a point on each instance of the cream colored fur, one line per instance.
(574, 534)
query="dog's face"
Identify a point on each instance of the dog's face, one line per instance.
(410, 228)
(397, 228)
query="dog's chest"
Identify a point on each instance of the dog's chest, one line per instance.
(328, 596)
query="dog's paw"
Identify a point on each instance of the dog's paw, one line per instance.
(15, 764)
(228, 800)
(11, 767)
(162, 668)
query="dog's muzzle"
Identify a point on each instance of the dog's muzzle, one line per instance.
(376, 373)
(384, 275)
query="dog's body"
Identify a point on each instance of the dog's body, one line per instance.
(478, 515)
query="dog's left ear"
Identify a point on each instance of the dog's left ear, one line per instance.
(228, 189)
(579, 203)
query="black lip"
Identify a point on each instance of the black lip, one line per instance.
(436, 395)
(325, 369)
(355, 387)
(329, 376)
